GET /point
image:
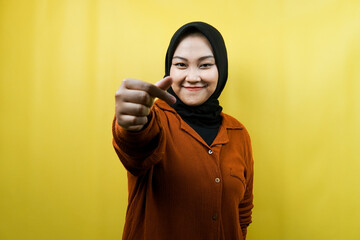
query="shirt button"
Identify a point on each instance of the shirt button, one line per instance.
(217, 180)
(210, 152)
(215, 217)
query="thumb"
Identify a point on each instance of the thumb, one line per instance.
(164, 83)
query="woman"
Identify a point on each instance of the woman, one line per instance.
(190, 167)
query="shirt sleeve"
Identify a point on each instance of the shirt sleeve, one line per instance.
(246, 205)
(138, 151)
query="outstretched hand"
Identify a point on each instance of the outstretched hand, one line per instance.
(134, 99)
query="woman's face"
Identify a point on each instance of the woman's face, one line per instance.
(193, 70)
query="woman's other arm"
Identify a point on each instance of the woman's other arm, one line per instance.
(246, 205)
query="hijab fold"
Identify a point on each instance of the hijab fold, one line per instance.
(205, 119)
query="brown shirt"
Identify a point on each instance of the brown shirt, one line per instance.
(181, 188)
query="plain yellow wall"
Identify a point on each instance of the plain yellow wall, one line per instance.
(294, 81)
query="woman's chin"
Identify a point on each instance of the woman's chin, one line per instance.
(193, 102)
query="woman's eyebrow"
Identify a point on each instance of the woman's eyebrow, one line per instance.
(205, 57)
(201, 58)
(182, 58)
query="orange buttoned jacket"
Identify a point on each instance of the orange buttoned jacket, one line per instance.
(181, 188)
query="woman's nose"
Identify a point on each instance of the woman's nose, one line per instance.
(192, 75)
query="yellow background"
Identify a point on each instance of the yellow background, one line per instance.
(294, 81)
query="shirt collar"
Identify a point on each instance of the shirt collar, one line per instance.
(228, 123)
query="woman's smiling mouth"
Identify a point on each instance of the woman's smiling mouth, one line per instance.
(194, 88)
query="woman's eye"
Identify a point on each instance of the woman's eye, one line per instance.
(206, 65)
(181, 65)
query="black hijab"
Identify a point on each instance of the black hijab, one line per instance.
(205, 119)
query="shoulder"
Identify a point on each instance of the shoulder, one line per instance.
(231, 123)
(238, 134)
(165, 115)
(163, 106)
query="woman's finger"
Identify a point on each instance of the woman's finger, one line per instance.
(134, 109)
(151, 89)
(127, 121)
(164, 83)
(138, 96)
(135, 128)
